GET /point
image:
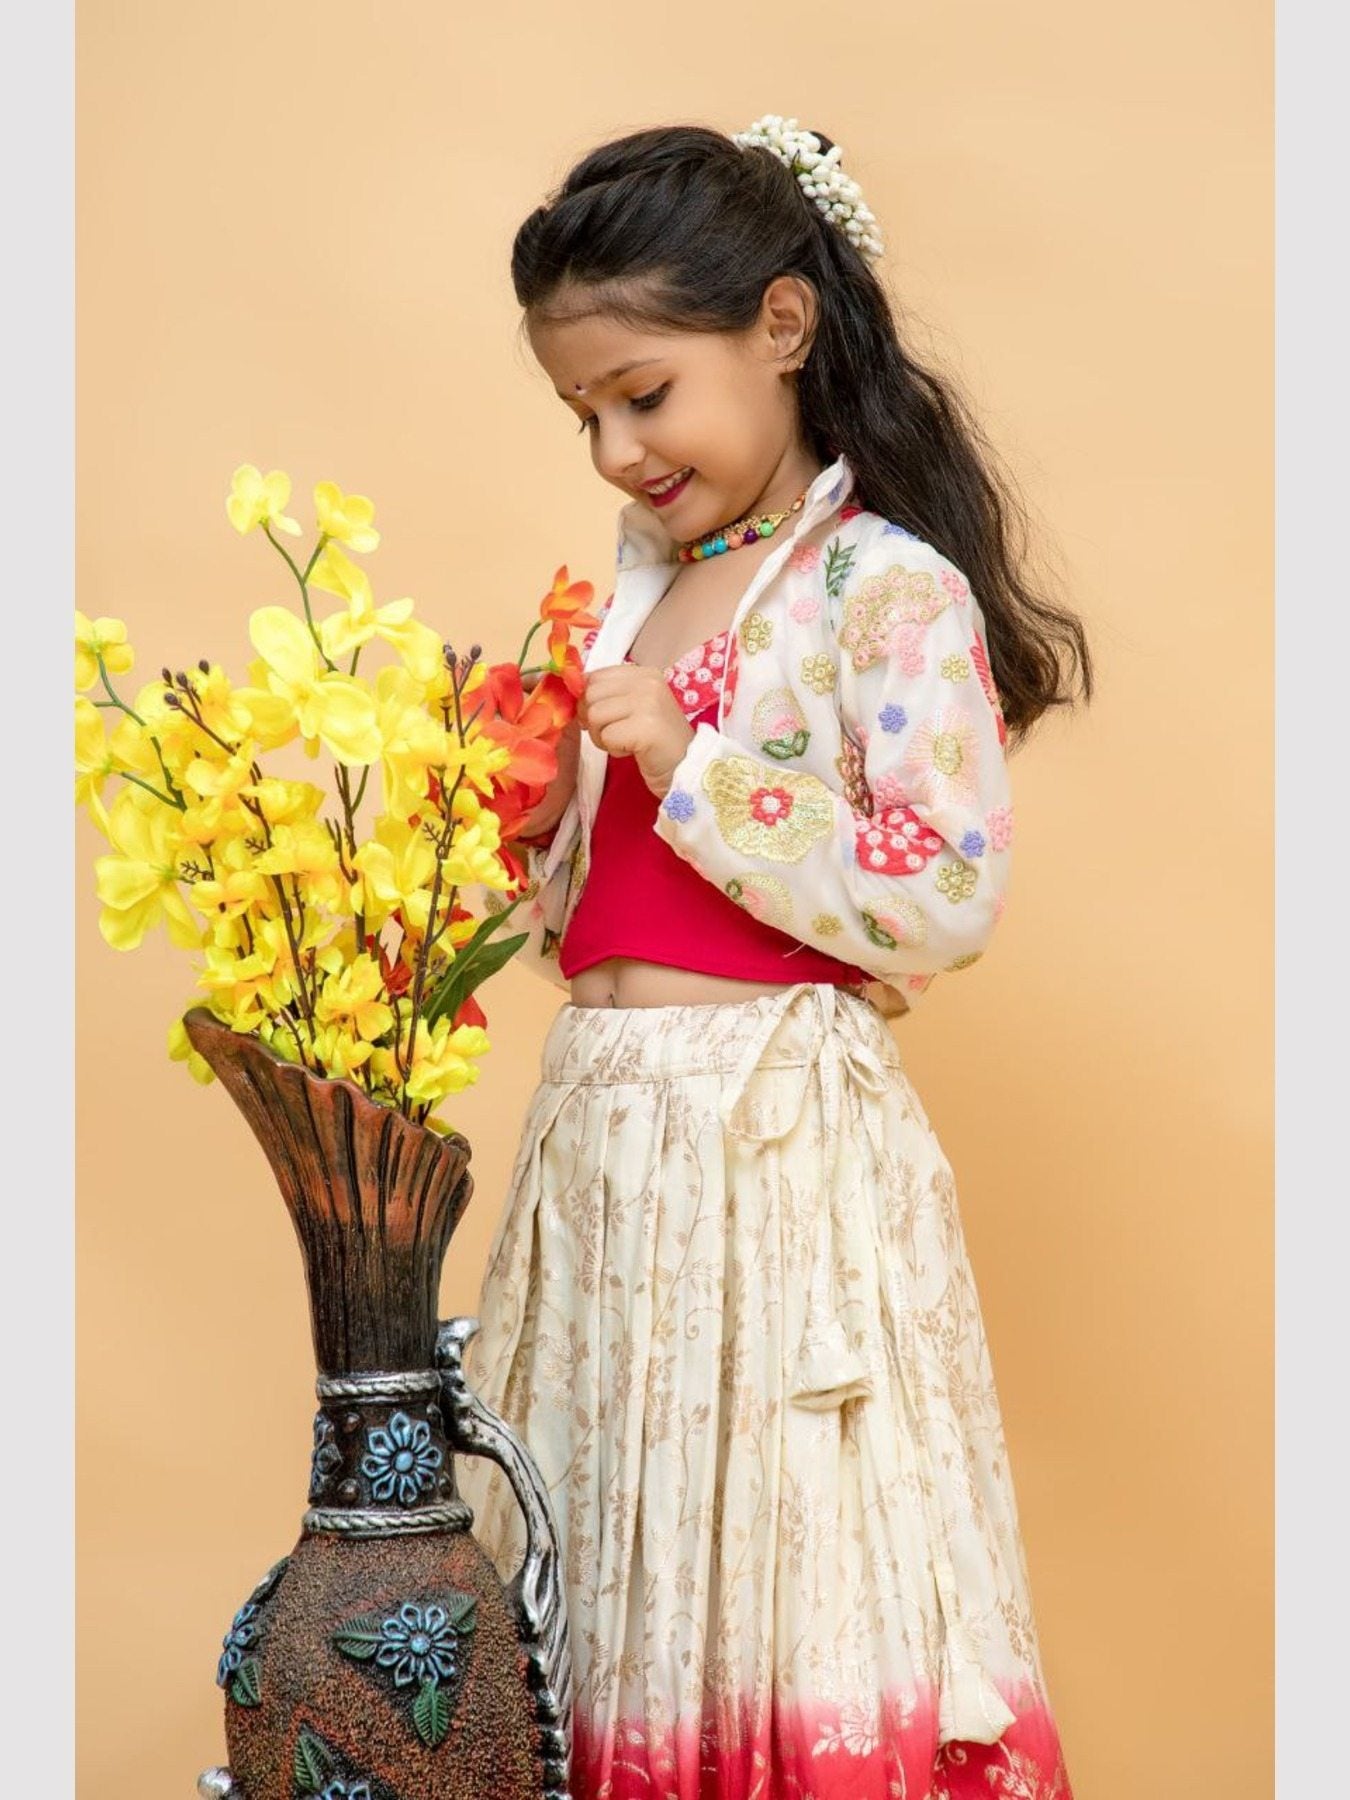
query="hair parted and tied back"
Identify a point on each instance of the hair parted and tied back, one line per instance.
(818, 175)
(681, 228)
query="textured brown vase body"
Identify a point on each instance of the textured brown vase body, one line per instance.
(384, 1659)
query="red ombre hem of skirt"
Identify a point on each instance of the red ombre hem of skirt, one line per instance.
(821, 1752)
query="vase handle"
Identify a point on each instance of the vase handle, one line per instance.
(536, 1590)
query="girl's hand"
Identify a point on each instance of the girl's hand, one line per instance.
(628, 710)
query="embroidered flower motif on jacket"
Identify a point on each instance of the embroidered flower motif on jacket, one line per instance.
(779, 725)
(896, 842)
(756, 633)
(943, 757)
(820, 672)
(877, 609)
(780, 822)
(764, 897)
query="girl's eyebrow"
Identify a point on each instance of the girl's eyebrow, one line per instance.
(614, 374)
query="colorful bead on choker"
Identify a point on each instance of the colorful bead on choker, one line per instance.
(748, 530)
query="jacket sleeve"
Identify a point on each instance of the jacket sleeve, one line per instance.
(901, 865)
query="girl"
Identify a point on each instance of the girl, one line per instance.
(728, 1306)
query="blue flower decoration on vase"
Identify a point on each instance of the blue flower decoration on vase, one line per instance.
(400, 1461)
(420, 1644)
(236, 1641)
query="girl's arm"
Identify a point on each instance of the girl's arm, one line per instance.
(902, 868)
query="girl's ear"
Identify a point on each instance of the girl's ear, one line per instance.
(787, 313)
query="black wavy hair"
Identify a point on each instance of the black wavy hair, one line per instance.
(677, 228)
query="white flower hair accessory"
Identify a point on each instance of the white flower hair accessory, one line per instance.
(821, 179)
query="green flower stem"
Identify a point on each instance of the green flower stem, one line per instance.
(114, 699)
(180, 803)
(303, 581)
(529, 639)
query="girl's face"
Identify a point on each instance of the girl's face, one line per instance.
(718, 408)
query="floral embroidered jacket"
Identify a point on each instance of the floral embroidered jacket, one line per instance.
(854, 791)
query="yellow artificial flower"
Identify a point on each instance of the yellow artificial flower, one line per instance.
(345, 517)
(180, 1050)
(337, 1052)
(286, 802)
(306, 851)
(412, 741)
(442, 1061)
(398, 865)
(138, 882)
(236, 885)
(255, 498)
(94, 761)
(340, 634)
(480, 757)
(354, 998)
(225, 780)
(473, 855)
(248, 988)
(328, 706)
(105, 637)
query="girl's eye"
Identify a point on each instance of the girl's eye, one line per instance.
(642, 402)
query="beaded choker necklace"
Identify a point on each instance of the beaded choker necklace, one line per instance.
(736, 536)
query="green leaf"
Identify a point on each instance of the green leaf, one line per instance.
(463, 1611)
(783, 748)
(431, 1714)
(838, 562)
(312, 1763)
(468, 954)
(245, 1689)
(359, 1638)
(463, 977)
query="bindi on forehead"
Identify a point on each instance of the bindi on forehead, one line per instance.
(627, 368)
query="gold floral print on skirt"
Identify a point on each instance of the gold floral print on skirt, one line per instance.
(729, 1309)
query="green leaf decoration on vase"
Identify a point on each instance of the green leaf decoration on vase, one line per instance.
(313, 1764)
(246, 1688)
(431, 1714)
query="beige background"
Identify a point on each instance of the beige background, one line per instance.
(293, 233)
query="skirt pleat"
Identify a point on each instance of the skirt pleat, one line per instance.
(728, 1308)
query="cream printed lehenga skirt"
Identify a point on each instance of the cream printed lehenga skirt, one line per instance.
(729, 1309)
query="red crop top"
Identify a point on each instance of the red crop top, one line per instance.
(642, 900)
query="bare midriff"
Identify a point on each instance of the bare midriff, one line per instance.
(624, 981)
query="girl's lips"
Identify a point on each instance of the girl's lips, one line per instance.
(671, 493)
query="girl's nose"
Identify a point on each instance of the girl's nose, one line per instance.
(618, 454)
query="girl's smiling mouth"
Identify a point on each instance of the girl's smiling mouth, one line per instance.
(664, 491)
